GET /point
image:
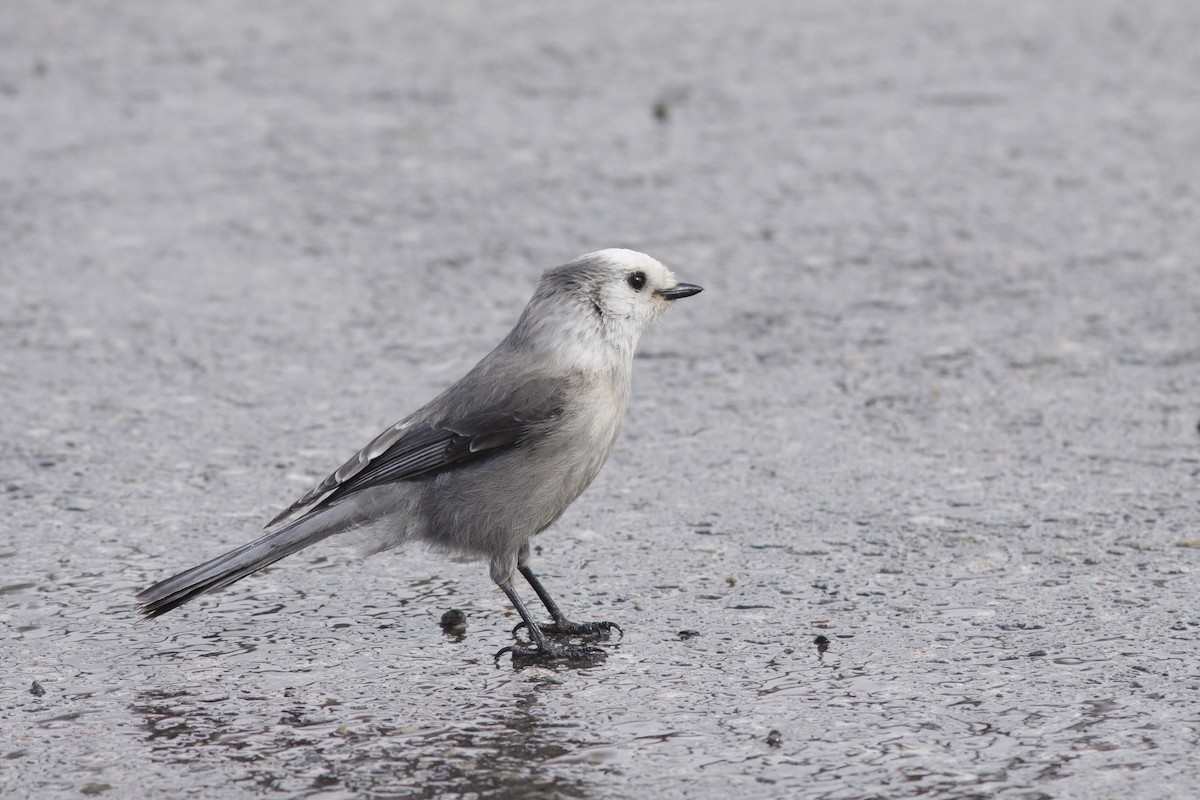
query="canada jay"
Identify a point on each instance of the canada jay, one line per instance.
(494, 459)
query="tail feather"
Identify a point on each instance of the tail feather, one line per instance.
(233, 566)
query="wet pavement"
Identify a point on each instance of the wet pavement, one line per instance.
(907, 503)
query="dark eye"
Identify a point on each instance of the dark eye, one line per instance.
(636, 280)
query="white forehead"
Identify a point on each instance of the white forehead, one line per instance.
(621, 259)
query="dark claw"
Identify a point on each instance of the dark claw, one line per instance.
(575, 628)
(524, 656)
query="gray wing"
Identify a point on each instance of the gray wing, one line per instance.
(416, 448)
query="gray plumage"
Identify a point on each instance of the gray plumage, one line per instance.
(497, 457)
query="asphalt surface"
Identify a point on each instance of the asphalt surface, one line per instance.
(937, 405)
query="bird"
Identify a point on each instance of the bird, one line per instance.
(493, 460)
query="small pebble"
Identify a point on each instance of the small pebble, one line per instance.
(37, 690)
(72, 503)
(685, 635)
(454, 621)
(774, 738)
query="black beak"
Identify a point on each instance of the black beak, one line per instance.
(679, 290)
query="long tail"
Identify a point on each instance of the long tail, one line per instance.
(237, 564)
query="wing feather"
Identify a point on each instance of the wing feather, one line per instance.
(414, 449)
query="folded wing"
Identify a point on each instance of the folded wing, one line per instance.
(415, 448)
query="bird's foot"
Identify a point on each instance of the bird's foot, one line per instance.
(568, 628)
(548, 653)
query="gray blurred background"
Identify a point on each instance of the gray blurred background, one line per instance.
(937, 404)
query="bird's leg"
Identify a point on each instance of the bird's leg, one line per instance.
(543, 649)
(561, 625)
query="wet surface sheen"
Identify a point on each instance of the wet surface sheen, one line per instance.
(933, 691)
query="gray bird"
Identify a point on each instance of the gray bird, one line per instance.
(494, 459)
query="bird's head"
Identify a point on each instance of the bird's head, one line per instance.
(603, 299)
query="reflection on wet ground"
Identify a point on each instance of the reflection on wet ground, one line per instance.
(928, 688)
(342, 747)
